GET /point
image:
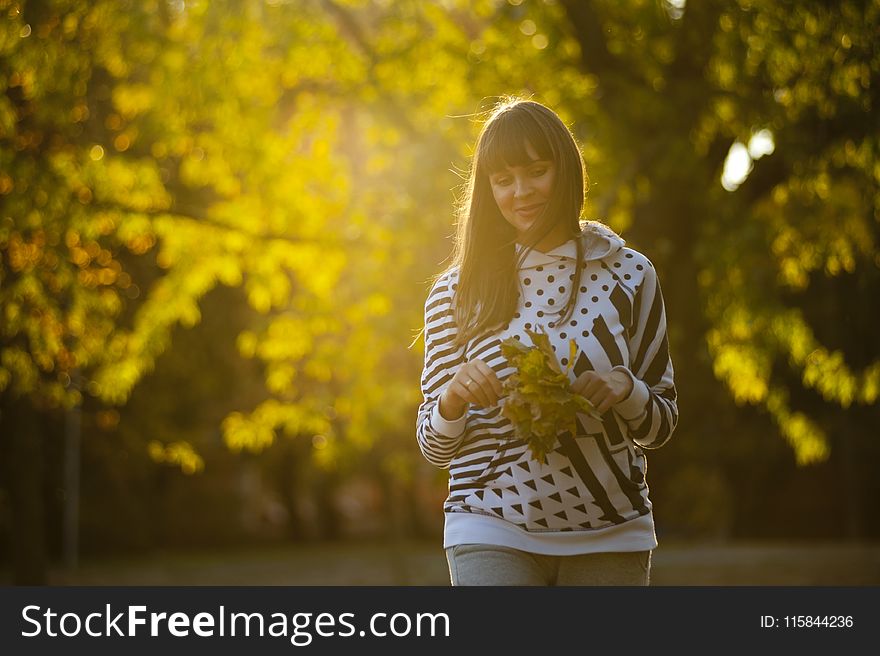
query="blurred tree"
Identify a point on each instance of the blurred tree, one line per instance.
(150, 151)
(771, 276)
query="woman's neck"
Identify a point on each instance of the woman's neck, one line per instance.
(554, 240)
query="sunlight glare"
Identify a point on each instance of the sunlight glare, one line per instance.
(675, 8)
(740, 159)
(761, 144)
(737, 167)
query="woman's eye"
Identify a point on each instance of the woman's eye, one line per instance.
(502, 182)
(538, 172)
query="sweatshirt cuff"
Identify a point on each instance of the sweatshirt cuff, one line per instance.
(633, 406)
(446, 427)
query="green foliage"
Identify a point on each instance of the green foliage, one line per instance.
(538, 399)
(804, 219)
(151, 151)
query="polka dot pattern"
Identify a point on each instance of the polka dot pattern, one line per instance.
(546, 291)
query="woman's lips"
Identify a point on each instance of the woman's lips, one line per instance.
(530, 211)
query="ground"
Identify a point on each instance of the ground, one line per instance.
(423, 563)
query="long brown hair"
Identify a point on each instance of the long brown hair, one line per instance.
(485, 243)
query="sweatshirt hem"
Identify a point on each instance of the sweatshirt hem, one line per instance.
(470, 528)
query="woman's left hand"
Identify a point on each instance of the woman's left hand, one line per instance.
(603, 389)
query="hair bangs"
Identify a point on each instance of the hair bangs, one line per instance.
(504, 143)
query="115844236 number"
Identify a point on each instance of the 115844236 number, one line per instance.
(817, 621)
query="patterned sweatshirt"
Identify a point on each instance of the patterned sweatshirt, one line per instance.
(591, 495)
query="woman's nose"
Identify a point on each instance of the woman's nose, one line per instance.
(523, 187)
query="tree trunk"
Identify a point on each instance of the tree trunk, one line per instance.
(293, 461)
(329, 523)
(849, 477)
(25, 472)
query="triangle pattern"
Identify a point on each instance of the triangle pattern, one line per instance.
(538, 496)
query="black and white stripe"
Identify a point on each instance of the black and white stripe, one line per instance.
(592, 479)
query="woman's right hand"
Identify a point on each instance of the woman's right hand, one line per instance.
(475, 382)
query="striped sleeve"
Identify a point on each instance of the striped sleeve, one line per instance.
(650, 411)
(439, 438)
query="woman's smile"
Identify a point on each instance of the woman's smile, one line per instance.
(530, 211)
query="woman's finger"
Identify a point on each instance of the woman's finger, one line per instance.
(490, 379)
(598, 394)
(476, 387)
(591, 384)
(581, 381)
(605, 404)
(597, 390)
(460, 390)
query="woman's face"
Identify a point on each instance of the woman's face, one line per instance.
(523, 192)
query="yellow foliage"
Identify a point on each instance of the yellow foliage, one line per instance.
(870, 387)
(259, 297)
(180, 454)
(809, 442)
(256, 431)
(300, 165)
(280, 377)
(247, 343)
(240, 433)
(744, 370)
(287, 338)
(21, 367)
(828, 373)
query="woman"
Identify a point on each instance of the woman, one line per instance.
(524, 259)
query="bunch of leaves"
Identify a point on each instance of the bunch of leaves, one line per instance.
(539, 401)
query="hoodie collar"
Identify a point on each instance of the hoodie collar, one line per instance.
(599, 241)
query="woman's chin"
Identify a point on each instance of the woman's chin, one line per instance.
(523, 226)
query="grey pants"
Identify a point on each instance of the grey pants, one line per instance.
(486, 564)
